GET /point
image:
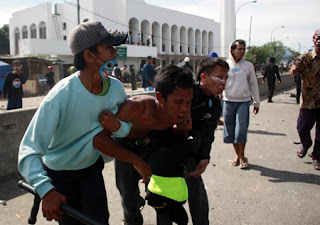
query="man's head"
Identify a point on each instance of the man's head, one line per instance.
(91, 43)
(149, 59)
(272, 59)
(174, 91)
(16, 66)
(238, 49)
(186, 59)
(212, 75)
(316, 41)
(50, 68)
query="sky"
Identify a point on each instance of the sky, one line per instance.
(299, 18)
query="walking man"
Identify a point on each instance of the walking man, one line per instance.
(148, 75)
(308, 66)
(271, 72)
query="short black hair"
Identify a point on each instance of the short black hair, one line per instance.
(79, 61)
(239, 41)
(172, 77)
(272, 59)
(207, 65)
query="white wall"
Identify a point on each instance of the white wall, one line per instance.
(43, 47)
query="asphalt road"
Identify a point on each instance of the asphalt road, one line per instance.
(278, 187)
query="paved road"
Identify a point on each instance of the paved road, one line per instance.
(278, 188)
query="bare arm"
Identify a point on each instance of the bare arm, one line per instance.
(105, 144)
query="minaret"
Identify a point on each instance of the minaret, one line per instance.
(227, 25)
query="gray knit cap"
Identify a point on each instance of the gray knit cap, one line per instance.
(88, 34)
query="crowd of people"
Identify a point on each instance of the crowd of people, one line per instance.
(165, 139)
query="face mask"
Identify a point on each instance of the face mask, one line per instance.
(106, 68)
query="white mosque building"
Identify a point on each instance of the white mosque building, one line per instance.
(165, 34)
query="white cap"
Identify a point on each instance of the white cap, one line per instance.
(187, 59)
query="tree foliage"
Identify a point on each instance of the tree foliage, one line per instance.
(260, 54)
(4, 40)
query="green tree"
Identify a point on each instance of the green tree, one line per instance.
(4, 40)
(260, 54)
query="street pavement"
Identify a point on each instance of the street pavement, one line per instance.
(277, 188)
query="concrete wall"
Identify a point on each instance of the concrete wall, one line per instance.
(13, 125)
(15, 122)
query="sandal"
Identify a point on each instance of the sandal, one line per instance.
(234, 162)
(301, 152)
(244, 164)
(316, 164)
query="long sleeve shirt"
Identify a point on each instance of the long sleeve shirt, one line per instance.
(13, 85)
(61, 133)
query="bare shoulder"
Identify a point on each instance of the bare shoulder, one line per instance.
(135, 107)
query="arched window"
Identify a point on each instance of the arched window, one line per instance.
(33, 31)
(42, 30)
(24, 31)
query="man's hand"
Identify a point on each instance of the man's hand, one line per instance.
(293, 70)
(109, 121)
(143, 169)
(262, 81)
(201, 167)
(51, 204)
(255, 110)
(3, 99)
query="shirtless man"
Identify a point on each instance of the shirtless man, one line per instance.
(174, 91)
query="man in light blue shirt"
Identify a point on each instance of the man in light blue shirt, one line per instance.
(59, 153)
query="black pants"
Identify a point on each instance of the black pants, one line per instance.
(84, 190)
(168, 210)
(298, 91)
(271, 85)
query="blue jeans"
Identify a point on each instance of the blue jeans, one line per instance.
(236, 122)
(14, 103)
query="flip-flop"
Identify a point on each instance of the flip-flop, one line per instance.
(234, 162)
(244, 164)
(301, 152)
(316, 164)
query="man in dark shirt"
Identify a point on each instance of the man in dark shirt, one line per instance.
(270, 73)
(13, 86)
(50, 77)
(148, 75)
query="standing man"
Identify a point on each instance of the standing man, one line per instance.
(271, 73)
(205, 112)
(12, 88)
(59, 153)
(148, 75)
(50, 77)
(187, 63)
(308, 66)
(241, 85)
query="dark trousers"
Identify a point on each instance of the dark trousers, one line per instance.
(127, 180)
(84, 190)
(198, 199)
(14, 103)
(306, 120)
(271, 85)
(298, 91)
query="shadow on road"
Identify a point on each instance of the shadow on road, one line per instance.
(278, 176)
(265, 132)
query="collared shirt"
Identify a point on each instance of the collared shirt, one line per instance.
(308, 65)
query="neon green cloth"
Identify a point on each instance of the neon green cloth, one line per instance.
(170, 187)
(106, 85)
